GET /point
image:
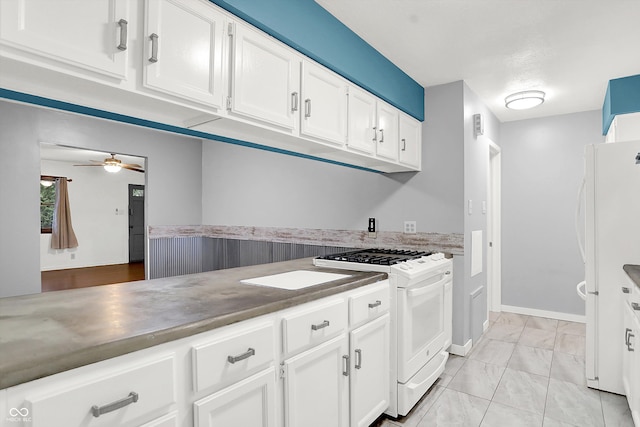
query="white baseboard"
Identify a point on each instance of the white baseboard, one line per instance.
(461, 350)
(485, 326)
(544, 313)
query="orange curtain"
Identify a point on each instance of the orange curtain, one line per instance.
(62, 235)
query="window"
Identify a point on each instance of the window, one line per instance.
(47, 203)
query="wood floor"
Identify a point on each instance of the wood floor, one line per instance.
(74, 278)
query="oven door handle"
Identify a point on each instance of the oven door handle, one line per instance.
(415, 292)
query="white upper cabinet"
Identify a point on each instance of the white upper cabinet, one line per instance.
(362, 121)
(387, 132)
(410, 143)
(88, 35)
(183, 50)
(324, 107)
(265, 79)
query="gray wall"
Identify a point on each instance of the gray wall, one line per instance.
(173, 198)
(542, 168)
(476, 164)
(253, 187)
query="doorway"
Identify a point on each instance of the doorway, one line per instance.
(494, 220)
(136, 223)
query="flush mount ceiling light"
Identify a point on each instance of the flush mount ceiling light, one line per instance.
(46, 182)
(524, 100)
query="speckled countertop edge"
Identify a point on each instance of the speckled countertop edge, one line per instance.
(633, 271)
(45, 334)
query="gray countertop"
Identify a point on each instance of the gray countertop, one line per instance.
(634, 272)
(52, 332)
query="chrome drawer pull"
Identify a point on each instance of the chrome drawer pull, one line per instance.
(99, 410)
(320, 325)
(358, 358)
(123, 34)
(233, 359)
(375, 304)
(154, 47)
(381, 136)
(375, 134)
(629, 348)
(635, 306)
(625, 290)
(346, 369)
(307, 108)
(404, 144)
(626, 336)
(294, 101)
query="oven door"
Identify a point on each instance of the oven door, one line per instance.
(421, 321)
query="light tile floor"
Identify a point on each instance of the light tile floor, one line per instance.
(524, 372)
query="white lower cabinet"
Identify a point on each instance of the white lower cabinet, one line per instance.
(631, 355)
(248, 403)
(316, 386)
(332, 355)
(369, 382)
(127, 394)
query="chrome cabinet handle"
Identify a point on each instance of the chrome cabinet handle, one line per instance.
(625, 290)
(99, 410)
(320, 325)
(233, 359)
(381, 136)
(629, 348)
(307, 108)
(635, 306)
(345, 370)
(404, 144)
(375, 304)
(123, 34)
(294, 101)
(154, 47)
(626, 336)
(358, 358)
(375, 134)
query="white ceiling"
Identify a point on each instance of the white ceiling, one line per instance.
(569, 49)
(78, 156)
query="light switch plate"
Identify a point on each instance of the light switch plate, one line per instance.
(410, 227)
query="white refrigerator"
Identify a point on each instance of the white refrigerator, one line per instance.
(612, 239)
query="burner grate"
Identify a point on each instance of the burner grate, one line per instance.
(376, 256)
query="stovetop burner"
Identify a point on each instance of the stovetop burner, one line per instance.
(376, 256)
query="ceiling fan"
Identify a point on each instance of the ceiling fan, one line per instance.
(113, 165)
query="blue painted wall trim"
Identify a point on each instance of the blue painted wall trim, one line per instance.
(623, 97)
(87, 111)
(310, 29)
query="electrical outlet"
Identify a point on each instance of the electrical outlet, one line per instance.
(73, 256)
(410, 227)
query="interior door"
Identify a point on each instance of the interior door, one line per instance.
(136, 223)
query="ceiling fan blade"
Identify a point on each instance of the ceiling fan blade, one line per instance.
(90, 165)
(133, 165)
(132, 168)
(96, 161)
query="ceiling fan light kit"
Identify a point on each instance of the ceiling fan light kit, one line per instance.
(524, 100)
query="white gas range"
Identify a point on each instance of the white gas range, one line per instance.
(421, 316)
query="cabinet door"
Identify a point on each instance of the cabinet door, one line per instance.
(91, 35)
(387, 132)
(627, 352)
(183, 50)
(265, 83)
(362, 132)
(410, 141)
(634, 366)
(316, 386)
(248, 403)
(369, 390)
(324, 106)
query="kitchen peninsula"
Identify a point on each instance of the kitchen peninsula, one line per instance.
(169, 333)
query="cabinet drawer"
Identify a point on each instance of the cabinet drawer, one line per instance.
(125, 397)
(313, 324)
(169, 420)
(232, 355)
(369, 304)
